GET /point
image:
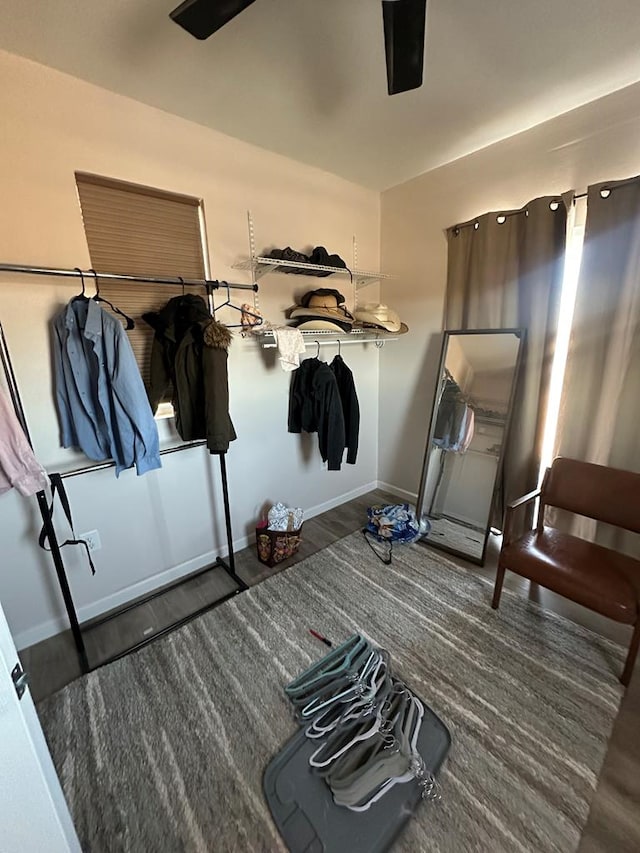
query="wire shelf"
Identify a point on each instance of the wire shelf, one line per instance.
(326, 336)
(261, 266)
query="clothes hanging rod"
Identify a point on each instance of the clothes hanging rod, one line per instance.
(88, 469)
(140, 279)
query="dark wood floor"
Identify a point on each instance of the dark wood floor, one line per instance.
(614, 821)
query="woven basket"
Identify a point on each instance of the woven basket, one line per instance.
(275, 546)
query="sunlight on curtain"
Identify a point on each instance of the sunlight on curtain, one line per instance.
(575, 239)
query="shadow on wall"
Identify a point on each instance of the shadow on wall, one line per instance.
(411, 438)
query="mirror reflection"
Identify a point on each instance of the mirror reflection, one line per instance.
(467, 432)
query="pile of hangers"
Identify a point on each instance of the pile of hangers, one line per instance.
(366, 723)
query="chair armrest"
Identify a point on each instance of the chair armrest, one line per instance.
(524, 499)
(511, 508)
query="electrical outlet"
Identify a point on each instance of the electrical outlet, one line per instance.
(92, 538)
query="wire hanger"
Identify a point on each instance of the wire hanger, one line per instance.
(317, 343)
(229, 304)
(339, 347)
(97, 298)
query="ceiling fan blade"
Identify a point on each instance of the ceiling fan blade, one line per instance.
(404, 30)
(202, 18)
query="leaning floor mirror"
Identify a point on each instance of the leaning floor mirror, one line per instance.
(465, 449)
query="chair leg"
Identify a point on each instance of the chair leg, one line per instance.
(631, 656)
(497, 590)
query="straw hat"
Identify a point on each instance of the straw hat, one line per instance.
(381, 316)
(324, 326)
(322, 304)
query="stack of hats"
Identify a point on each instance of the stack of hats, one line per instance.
(322, 310)
(378, 316)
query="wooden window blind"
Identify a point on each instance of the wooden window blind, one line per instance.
(138, 230)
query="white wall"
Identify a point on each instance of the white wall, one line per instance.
(597, 142)
(54, 125)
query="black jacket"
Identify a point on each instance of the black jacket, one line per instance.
(315, 406)
(190, 353)
(350, 406)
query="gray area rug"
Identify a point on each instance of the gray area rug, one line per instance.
(165, 749)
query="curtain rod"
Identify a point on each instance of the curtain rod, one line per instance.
(140, 279)
(603, 189)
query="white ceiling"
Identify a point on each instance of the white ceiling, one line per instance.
(497, 351)
(306, 78)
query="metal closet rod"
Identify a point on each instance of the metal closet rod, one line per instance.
(141, 279)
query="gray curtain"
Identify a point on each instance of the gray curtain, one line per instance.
(505, 270)
(600, 409)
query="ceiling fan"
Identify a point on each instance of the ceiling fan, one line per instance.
(404, 29)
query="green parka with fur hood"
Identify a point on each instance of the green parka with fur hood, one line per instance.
(189, 356)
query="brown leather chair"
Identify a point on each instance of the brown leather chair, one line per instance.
(596, 577)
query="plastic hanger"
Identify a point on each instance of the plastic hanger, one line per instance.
(312, 699)
(80, 296)
(362, 707)
(329, 688)
(356, 688)
(229, 304)
(335, 745)
(334, 716)
(334, 663)
(97, 298)
(377, 756)
(344, 673)
(385, 761)
(333, 748)
(417, 769)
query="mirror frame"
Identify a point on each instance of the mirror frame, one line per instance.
(521, 334)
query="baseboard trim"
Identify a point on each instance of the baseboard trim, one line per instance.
(341, 499)
(31, 636)
(396, 490)
(116, 599)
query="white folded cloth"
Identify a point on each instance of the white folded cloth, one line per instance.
(290, 345)
(283, 517)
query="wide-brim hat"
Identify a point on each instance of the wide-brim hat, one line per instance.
(324, 326)
(322, 304)
(382, 317)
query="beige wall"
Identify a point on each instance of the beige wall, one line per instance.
(167, 521)
(457, 364)
(600, 141)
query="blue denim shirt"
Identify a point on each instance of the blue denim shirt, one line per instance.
(100, 395)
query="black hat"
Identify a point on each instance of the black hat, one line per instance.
(321, 257)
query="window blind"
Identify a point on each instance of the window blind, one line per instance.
(138, 230)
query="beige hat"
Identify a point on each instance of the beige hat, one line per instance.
(320, 304)
(381, 316)
(323, 326)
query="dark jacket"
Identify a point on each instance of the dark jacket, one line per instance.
(350, 406)
(450, 416)
(189, 354)
(315, 406)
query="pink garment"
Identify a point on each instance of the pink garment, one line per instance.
(18, 466)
